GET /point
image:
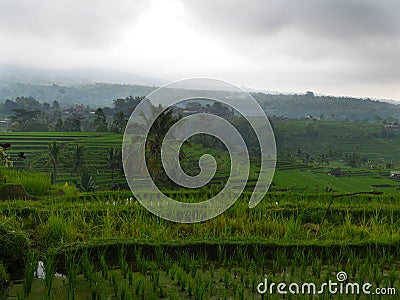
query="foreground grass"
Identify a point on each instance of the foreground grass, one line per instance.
(110, 247)
(281, 218)
(197, 276)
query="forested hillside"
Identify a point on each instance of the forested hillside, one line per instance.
(327, 107)
(94, 95)
(279, 105)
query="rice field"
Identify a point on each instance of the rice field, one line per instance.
(237, 275)
(288, 175)
(108, 246)
(35, 145)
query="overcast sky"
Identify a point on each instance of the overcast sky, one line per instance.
(338, 47)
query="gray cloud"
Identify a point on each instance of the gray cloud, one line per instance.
(344, 41)
(87, 23)
(340, 19)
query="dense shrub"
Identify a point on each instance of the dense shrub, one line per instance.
(13, 191)
(4, 280)
(57, 231)
(14, 248)
(5, 158)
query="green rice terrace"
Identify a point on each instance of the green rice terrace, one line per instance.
(334, 207)
(307, 153)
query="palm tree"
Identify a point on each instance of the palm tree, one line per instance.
(114, 158)
(52, 157)
(78, 154)
(88, 183)
(154, 141)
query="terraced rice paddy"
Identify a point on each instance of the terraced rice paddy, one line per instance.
(109, 246)
(35, 145)
(287, 176)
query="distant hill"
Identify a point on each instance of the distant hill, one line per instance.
(327, 107)
(278, 105)
(94, 95)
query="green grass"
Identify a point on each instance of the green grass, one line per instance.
(349, 137)
(36, 184)
(317, 180)
(224, 257)
(230, 273)
(279, 218)
(288, 175)
(35, 144)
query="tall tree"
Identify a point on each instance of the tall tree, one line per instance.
(100, 120)
(114, 159)
(78, 158)
(119, 122)
(56, 105)
(24, 120)
(156, 136)
(127, 105)
(59, 126)
(73, 123)
(153, 142)
(52, 157)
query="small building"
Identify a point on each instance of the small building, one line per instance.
(336, 173)
(394, 174)
(392, 127)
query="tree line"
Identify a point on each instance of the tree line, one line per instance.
(73, 157)
(27, 114)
